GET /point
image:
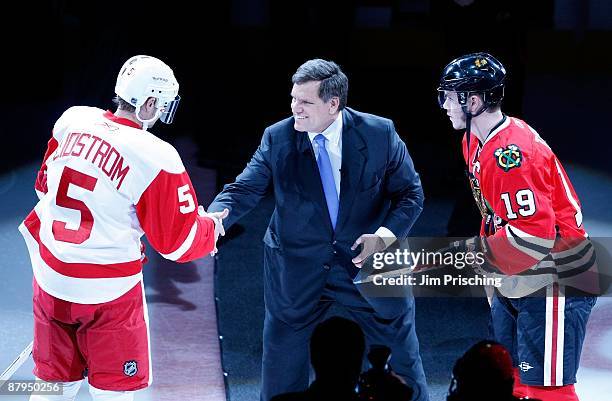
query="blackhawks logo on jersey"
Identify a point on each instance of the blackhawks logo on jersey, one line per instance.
(509, 157)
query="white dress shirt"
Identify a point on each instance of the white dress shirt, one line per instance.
(333, 134)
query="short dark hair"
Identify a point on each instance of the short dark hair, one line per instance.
(333, 80)
(123, 105)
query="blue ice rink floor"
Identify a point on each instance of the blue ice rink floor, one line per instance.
(177, 308)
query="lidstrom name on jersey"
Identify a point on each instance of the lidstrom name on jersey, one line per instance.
(104, 183)
(96, 150)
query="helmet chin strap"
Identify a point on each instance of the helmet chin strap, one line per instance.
(468, 125)
(145, 123)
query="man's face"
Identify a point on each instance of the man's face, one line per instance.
(453, 110)
(310, 112)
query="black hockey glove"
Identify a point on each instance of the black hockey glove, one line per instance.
(477, 246)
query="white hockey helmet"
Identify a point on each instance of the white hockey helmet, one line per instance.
(142, 77)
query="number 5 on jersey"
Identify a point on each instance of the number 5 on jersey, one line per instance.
(185, 196)
(83, 232)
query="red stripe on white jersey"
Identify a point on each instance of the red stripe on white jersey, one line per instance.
(79, 270)
(204, 235)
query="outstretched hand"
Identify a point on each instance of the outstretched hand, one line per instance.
(372, 243)
(217, 217)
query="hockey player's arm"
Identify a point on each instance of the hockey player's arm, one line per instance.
(520, 196)
(168, 214)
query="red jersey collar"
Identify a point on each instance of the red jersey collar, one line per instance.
(120, 120)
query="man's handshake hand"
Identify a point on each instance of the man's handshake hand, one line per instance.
(372, 243)
(217, 217)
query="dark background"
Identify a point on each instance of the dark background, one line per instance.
(234, 60)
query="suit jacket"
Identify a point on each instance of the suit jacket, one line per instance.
(379, 187)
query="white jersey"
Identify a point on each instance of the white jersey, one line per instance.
(105, 182)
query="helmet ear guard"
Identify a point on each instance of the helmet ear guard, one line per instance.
(493, 96)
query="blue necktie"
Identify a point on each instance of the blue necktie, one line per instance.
(327, 179)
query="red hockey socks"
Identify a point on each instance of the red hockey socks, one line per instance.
(520, 390)
(553, 393)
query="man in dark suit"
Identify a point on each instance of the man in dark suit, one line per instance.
(341, 179)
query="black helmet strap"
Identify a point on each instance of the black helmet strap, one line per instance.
(468, 121)
(468, 128)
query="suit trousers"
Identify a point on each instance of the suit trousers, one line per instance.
(285, 361)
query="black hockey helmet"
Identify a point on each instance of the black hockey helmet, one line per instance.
(475, 73)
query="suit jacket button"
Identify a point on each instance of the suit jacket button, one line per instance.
(326, 267)
(335, 242)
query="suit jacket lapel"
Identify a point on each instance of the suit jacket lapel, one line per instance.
(353, 163)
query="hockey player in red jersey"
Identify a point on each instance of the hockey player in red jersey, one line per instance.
(104, 182)
(531, 231)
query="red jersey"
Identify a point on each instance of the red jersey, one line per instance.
(531, 214)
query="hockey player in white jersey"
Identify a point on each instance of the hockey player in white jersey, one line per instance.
(104, 182)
